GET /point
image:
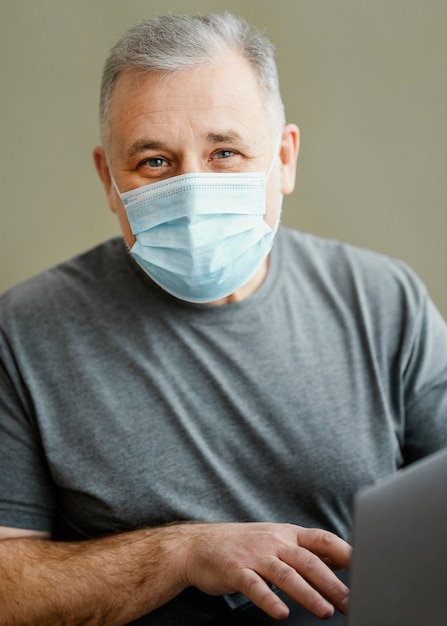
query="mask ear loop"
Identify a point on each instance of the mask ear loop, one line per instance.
(115, 186)
(269, 171)
(275, 156)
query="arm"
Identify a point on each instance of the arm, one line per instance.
(111, 580)
(116, 579)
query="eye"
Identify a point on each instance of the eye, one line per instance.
(223, 154)
(226, 160)
(154, 162)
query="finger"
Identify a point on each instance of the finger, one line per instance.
(310, 583)
(330, 548)
(321, 578)
(257, 590)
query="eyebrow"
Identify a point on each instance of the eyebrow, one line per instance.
(230, 137)
(142, 145)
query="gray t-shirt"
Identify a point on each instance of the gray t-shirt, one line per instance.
(123, 407)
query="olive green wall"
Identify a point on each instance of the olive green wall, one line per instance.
(364, 80)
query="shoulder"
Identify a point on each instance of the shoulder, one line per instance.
(377, 298)
(352, 271)
(61, 287)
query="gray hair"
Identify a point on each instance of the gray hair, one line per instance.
(173, 43)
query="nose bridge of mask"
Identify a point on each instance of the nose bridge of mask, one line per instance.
(191, 195)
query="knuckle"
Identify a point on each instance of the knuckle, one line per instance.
(249, 583)
(322, 540)
(327, 538)
(337, 590)
(309, 563)
(282, 576)
(329, 544)
(334, 589)
(231, 563)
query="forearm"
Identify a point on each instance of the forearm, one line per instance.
(117, 579)
(111, 580)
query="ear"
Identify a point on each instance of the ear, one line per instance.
(288, 153)
(102, 167)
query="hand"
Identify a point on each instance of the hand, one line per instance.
(224, 558)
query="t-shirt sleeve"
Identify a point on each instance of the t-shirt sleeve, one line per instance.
(425, 382)
(26, 489)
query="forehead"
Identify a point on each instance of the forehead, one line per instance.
(207, 99)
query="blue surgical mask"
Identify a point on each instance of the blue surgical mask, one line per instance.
(200, 236)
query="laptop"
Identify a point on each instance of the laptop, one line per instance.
(399, 569)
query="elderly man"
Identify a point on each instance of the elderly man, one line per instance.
(187, 411)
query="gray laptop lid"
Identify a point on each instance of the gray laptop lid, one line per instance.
(399, 568)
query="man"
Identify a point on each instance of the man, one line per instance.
(187, 414)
